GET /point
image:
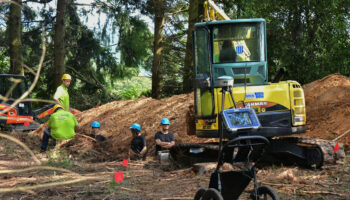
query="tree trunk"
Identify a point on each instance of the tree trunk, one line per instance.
(196, 13)
(14, 36)
(59, 51)
(158, 47)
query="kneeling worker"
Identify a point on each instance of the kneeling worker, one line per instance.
(62, 126)
(95, 126)
(138, 143)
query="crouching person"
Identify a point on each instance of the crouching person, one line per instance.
(61, 125)
(95, 126)
(138, 148)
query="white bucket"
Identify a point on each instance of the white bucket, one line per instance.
(164, 157)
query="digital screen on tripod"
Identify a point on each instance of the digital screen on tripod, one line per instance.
(240, 118)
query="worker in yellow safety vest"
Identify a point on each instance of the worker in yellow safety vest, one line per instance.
(61, 96)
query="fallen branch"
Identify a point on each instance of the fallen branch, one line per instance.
(176, 198)
(88, 137)
(342, 135)
(25, 147)
(136, 164)
(61, 143)
(92, 192)
(46, 185)
(10, 171)
(277, 184)
(128, 189)
(321, 192)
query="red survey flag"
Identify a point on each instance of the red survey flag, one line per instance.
(118, 177)
(125, 162)
(336, 148)
(26, 123)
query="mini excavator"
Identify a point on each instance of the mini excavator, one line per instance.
(20, 117)
(238, 49)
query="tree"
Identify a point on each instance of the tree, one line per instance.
(196, 12)
(59, 42)
(159, 18)
(14, 37)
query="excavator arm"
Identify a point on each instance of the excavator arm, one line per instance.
(212, 12)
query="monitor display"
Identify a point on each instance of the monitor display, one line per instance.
(240, 118)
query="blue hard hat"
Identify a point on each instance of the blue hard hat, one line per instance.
(165, 121)
(136, 126)
(95, 124)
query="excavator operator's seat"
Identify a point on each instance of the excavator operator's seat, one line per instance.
(227, 53)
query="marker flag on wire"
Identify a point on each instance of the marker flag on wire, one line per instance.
(118, 177)
(125, 162)
(336, 148)
(26, 123)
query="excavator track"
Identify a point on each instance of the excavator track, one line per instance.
(302, 151)
(326, 147)
(189, 154)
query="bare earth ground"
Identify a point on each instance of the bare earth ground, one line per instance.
(147, 180)
(328, 111)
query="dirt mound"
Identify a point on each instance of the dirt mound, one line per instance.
(328, 108)
(117, 117)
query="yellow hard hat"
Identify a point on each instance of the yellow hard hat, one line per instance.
(56, 106)
(66, 77)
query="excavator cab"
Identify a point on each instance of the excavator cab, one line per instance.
(235, 48)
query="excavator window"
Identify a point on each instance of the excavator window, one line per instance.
(201, 53)
(204, 96)
(238, 50)
(237, 43)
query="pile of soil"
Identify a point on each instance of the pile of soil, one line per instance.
(327, 105)
(117, 117)
(328, 108)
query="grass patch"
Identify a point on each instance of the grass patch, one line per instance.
(60, 158)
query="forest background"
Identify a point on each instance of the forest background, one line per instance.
(124, 56)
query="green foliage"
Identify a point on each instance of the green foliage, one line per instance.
(135, 43)
(60, 158)
(133, 88)
(309, 38)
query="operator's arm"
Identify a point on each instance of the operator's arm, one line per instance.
(162, 144)
(57, 96)
(58, 102)
(143, 151)
(166, 145)
(172, 143)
